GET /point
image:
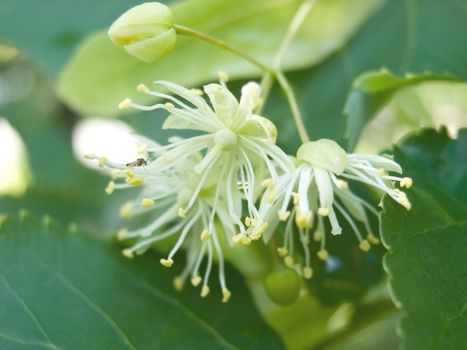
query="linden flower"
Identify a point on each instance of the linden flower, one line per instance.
(318, 188)
(238, 147)
(163, 193)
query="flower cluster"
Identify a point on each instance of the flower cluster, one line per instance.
(231, 184)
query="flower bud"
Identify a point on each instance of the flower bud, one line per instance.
(145, 31)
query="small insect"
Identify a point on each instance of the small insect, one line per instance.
(138, 162)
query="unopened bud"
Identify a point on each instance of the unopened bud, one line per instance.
(145, 31)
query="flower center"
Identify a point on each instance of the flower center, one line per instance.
(225, 138)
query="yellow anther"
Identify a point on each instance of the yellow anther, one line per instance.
(205, 291)
(90, 156)
(247, 221)
(223, 76)
(323, 254)
(169, 106)
(296, 199)
(323, 211)
(372, 239)
(102, 161)
(406, 203)
(197, 92)
(381, 172)
(307, 272)
(282, 251)
(268, 183)
(179, 283)
(288, 261)
(317, 235)
(134, 181)
(126, 103)
(196, 280)
(283, 215)
(245, 240)
(226, 294)
(236, 239)
(181, 213)
(110, 188)
(128, 253)
(167, 262)
(205, 235)
(122, 234)
(406, 182)
(126, 211)
(148, 202)
(364, 245)
(143, 89)
(303, 220)
(271, 196)
(343, 185)
(129, 173)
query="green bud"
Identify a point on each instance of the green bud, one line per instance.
(326, 154)
(283, 286)
(145, 31)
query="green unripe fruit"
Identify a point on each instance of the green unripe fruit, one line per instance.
(283, 286)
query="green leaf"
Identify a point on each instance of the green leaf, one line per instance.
(48, 31)
(426, 259)
(100, 75)
(371, 92)
(403, 36)
(428, 104)
(73, 292)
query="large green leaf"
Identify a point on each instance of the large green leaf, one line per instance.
(370, 92)
(72, 292)
(404, 36)
(100, 75)
(427, 245)
(49, 30)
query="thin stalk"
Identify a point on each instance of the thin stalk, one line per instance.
(267, 82)
(219, 43)
(297, 21)
(294, 26)
(297, 115)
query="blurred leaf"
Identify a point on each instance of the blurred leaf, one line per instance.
(49, 30)
(58, 178)
(428, 104)
(70, 291)
(426, 260)
(403, 36)
(370, 92)
(100, 75)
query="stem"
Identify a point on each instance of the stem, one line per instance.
(266, 85)
(297, 21)
(290, 95)
(364, 316)
(219, 43)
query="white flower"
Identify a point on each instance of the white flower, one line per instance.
(318, 188)
(163, 193)
(237, 146)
